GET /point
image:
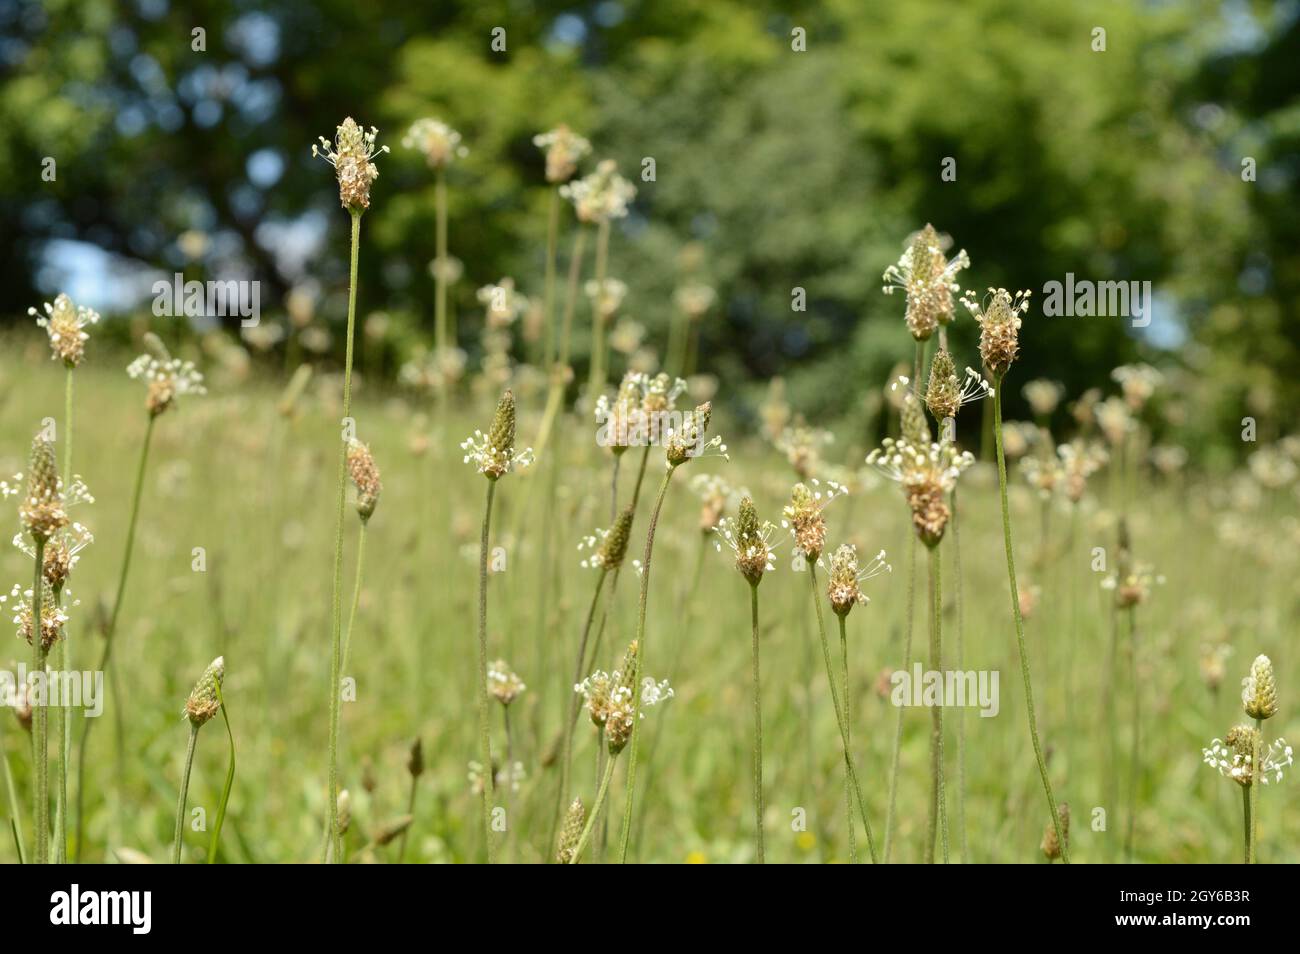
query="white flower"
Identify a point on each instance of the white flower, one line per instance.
(601, 196)
(439, 143)
(65, 323)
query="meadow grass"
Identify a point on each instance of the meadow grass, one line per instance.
(209, 487)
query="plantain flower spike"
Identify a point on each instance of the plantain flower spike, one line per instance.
(351, 155)
(204, 701)
(1259, 690)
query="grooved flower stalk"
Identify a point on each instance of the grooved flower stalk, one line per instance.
(1015, 613)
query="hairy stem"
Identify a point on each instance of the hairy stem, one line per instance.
(758, 728)
(123, 572)
(907, 667)
(938, 796)
(484, 741)
(42, 715)
(595, 810)
(356, 597)
(640, 661)
(566, 757)
(961, 667)
(185, 789)
(1256, 779)
(1020, 626)
(336, 627)
(848, 741)
(840, 718)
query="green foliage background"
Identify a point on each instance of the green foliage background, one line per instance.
(791, 168)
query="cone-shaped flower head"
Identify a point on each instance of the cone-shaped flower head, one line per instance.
(927, 472)
(66, 324)
(609, 547)
(415, 760)
(52, 617)
(805, 519)
(571, 833)
(1259, 690)
(1233, 757)
(494, 455)
(847, 577)
(503, 683)
(204, 702)
(602, 196)
(927, 276)
(42, 511)
(167, 378)
(351, 155)
(946, 392)
(749, 541)
(436, 141)
(688, 440)
(365, 476)
(564, 150)
(999, 321)
(915, 428)
(1050, 845)
(343, 814)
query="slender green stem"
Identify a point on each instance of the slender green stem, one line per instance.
(758, 727)
(1246, 818)
(410, 810)
(356, 595)
(595, 810)
(15, 810)
(938, 795)
(548, 310)
(907, 667)
(484, 741)
(441, 341)
(1135, 759)
(598, 316)
(848, 740)
(112, 623)
(64, 730)
(336, 649)
(42, 714)
(961, 667)
(185, 789)
(569, 723)
(560, 371)
(1256, 779)
(839, 713)
(1020, 626)
(67, 428)
(215, 841)
(65, 655)
(640, 661)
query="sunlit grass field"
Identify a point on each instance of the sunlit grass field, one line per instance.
(255, 490)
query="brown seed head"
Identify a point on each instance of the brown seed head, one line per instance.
(999, 322)
(365, 476)
(843, 589)
(204, 702)
(350, 155)
(1050, 845)
(805, 518)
